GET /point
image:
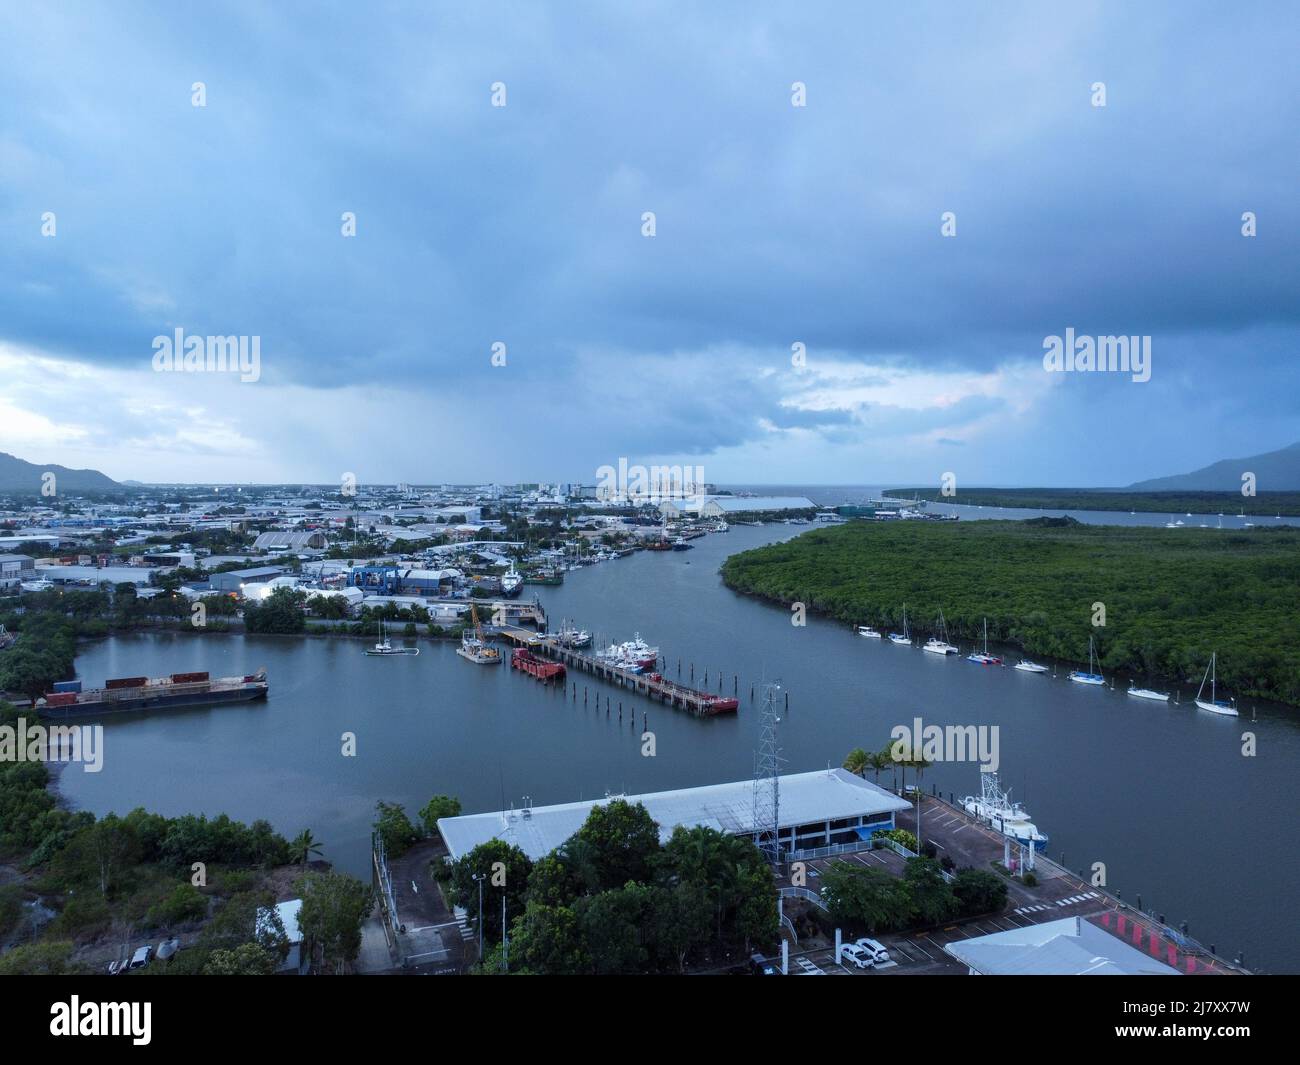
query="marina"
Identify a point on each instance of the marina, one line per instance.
(487, 736)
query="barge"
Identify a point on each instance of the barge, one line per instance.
(535, 666)
(143, 693)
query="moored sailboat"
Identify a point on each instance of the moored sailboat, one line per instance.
(1214, 705)
(1091, 677)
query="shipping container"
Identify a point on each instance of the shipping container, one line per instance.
(127, 682)
(188, 678)
(60, 698)
(67, 685)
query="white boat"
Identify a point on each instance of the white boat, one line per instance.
(983, 657)
(868, 632)
(937, 646)
(1147, 693)
(511, 582)
(904, 637)
(1214, 705)
(384, 647)
(1025, 666)
(1080, 677)
(993, 806)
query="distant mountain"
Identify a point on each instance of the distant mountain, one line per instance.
(19, 476)
(1275, 471)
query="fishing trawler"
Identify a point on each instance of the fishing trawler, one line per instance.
(994, 807)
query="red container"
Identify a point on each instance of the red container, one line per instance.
(188, 678)
(126, 682)
(60, 698)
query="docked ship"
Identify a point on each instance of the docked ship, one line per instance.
(511, 583)
(994, 807)
(144, 693)
(476, 649)
(634, 655)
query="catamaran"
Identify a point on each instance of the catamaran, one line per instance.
(384, 647)
(938, 646)
(983, 657)
(868, 632)
(1079, 677)
(904, 636)
(1215, 705)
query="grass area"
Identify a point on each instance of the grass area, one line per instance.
(1171, 597)
(1199, 504)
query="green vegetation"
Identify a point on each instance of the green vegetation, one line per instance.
(863, 897)
(614, 900)
(1171, 596)
(1196, 503)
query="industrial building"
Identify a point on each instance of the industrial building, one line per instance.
(15, 568)
(278, 540)
(714, 506)
(819, 809)
(1068, 947)
(234, 579)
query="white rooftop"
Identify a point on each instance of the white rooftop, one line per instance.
(823, 795)
(1068, 947)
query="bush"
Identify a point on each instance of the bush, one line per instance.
(979, 891)
(85, 916)
(185, 904)
(1029, 879)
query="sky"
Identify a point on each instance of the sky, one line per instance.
(798, 315)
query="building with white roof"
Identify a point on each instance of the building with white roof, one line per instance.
(1068, 947)
(715, 506)
(818, 809)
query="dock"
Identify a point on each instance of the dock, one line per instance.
(651, 685)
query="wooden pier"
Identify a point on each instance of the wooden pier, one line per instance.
(659, 688)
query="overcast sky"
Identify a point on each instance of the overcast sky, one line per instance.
(775, 225)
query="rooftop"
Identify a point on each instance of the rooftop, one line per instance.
(805, 798)
(1068, 947)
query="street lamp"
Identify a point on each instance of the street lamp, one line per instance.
(480, 877)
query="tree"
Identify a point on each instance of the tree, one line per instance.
(248, 959)
(857, 761)
(304, 845)
(546, 939)
(279, 612)
(866, 897)
(979, 891)
(506, 870)
(31, 671)
(933, 900)
(624, 840)
(438, 806)
(394, 828)
(333, 907)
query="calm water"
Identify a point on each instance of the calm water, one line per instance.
(1160, 794)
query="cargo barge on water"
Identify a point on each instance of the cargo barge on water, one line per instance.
(144, 693)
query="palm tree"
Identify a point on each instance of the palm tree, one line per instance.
(305, 845)
(878, 762)
(857, 762)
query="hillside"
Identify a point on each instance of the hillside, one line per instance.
(19, 476)
(1275, 471)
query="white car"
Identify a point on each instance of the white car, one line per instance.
(874, 949)
(853, 954)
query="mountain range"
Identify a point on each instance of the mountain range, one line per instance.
(1275, 471)
(19, 476)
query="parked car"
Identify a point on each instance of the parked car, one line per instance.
(761, 966)
(874, 948)
(115, 967)
(168, 947)
(141, 957)
(852, 954)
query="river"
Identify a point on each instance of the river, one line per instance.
(1162, 795)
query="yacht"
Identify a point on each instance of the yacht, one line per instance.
(904, 637)
(1215, 705)
(937, 646)
(983, 657)
(1080, 677)
(994, 807)
(1026, 666)
(385, 647)
(1147, 693)
(868, 632)
(511, 582)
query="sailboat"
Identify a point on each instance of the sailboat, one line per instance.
(904, 637)
(1214, 706)
(384, 647)
(937, 646)
(1079, 677)
(983, 657)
